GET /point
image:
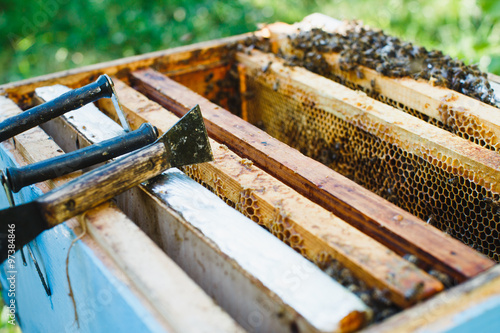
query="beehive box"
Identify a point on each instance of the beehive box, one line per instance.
(382, 175)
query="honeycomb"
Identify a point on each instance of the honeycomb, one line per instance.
(436, 190)
(283, 229)
(467, 127)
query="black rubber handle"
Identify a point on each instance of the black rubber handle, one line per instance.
(42, 113)
(82, 158)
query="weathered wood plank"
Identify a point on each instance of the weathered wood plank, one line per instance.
(308, 228)
(469, 117)
(389, 224)
(471, 306)
(190, 222)
(463, 175)
(240, 264)
(36, 311)
(113, 231)
(161, 281)
(33, 144)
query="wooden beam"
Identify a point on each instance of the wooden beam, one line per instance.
(308, 228)
(190, 222)
(153, 275)
(468, 117)
(389, 224)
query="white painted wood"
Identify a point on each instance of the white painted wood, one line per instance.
(296, 281)
(86, 116)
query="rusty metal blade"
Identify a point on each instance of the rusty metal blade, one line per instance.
(187, 141)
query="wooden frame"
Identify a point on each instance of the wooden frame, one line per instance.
(198, 237)
(356, 205)
(274, 204)
(471, 306)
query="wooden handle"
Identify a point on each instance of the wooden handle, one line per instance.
(103, 184)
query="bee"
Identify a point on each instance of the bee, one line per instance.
(346, 276)
(249, 49)
(494, 204)
(414, 292)
(365, 297)
(209, 88)
(381, 296)
(445, 279)
(359, 74)
(276, 85)
(353, 288)
(387, 313)
(266, 67)
(392, 195)
(411, 258)
(248, 94)
(209, 77)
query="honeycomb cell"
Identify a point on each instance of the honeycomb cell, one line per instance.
(249, 206)
(432, 185)
(193, 171)
(282, 228)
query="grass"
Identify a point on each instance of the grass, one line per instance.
(5, 327)
(53, 35)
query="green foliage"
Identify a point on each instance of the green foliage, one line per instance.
(5, 326)
(40, 37)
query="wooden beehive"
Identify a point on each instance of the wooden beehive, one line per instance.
(388, 185)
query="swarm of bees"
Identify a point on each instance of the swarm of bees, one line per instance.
(391, 57)
(376, 299)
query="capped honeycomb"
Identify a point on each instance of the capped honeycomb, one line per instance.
(435, 188)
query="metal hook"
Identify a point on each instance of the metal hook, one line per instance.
(23, 257)
(39, 271)
(7, 189)
(118, 107)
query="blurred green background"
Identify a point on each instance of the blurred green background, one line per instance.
(44, 36)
